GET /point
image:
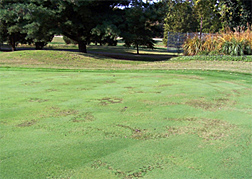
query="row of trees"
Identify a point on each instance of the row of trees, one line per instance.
(84, 21)
(206, 16)
(136, 21)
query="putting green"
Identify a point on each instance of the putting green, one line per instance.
(125, 124)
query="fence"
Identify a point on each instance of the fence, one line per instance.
(175, 40)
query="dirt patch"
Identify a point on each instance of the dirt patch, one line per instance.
(27, 123)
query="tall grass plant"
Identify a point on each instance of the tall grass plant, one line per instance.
(228, 42)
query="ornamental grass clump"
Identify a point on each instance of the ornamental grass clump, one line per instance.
(237, 42)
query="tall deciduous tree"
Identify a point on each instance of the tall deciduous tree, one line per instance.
(179, 18)
(207, 15)
(78, 18)
(235, 13)
(41, 22)
(139, 23)
(12, 21)
(28, 21)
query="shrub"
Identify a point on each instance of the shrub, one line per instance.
(193, 46)
(237, 42)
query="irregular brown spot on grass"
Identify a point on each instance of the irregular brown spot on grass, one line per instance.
(213, 129)
(83, 89)
(57, 112)
(38, 100)
(106, 101)
(165, 85)
(181, 119)
(159, 103)
(207, 129)
(129, 87)
(210, 105)
(32, 83)
(51, 90)
(110, 81)
(88, 116)
(27, 123)
(137, 173)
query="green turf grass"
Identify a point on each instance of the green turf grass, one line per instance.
(125, 124)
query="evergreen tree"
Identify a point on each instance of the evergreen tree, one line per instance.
(140, 21)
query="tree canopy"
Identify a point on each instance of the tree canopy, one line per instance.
(136, 21)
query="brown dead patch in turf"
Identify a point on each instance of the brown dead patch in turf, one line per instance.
(51, 90)
(27, 123)
(38, 100)
(106, 101)
(129, 87)
(213, 129)
(110, 81)
(138, 173)
(207, 129)
(165, 85)
(57, 112)
(181, 119)
(32, 83)
(159, 103)
(86, 117)
(210, 105)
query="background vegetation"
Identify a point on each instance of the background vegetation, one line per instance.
(30, 21)
(235, 43)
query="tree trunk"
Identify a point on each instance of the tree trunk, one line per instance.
(137, 49)
(82, 46)
(13, 43)
(201, 24)
(39, 45)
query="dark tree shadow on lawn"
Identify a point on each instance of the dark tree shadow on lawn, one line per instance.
(114, 55)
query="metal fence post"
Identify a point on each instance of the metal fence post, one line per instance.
(168, 40)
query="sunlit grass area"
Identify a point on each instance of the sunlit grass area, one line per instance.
(125, 124)
(66, 114)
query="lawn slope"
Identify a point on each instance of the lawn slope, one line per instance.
(124, 124)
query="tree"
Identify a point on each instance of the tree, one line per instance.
(235, 13)
(105, 33)
(138, 25)
(27, 21)
(207, 15)
(78, 18)
(179, 18)
(12, 21)
(41, 23)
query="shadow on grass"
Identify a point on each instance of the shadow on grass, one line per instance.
(135, 57)
(101, 52)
